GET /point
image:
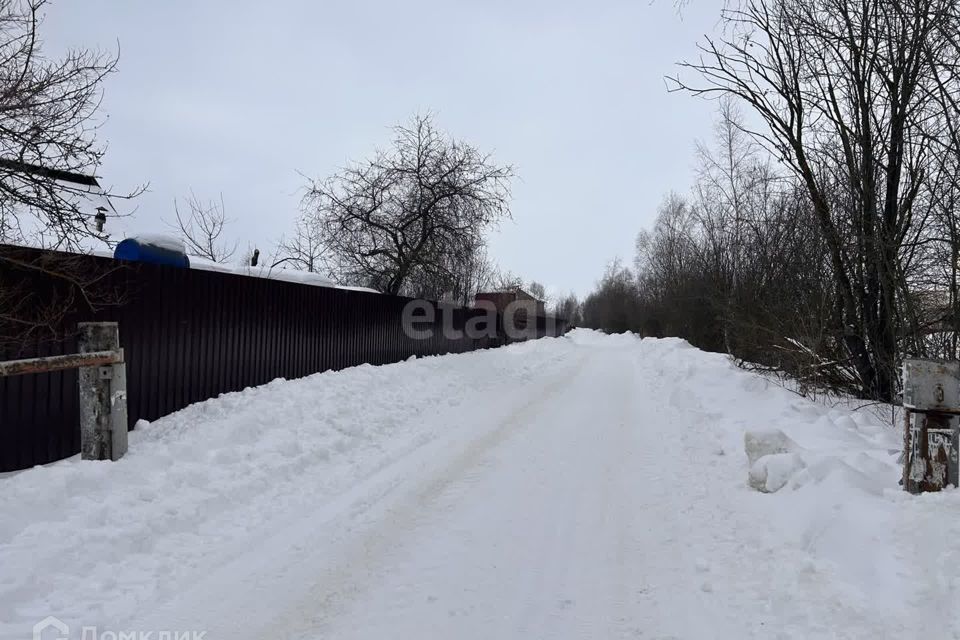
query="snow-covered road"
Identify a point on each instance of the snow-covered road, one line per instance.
(582, 487)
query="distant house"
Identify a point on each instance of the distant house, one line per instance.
(933, 309)
(503, 297)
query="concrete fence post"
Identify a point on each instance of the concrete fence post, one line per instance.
(103, 395)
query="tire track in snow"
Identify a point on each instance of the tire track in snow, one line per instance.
(348, 528)
(308, 550)
(384, 529)
(533, 540)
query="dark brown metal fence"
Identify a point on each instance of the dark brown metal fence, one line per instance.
(190, 335)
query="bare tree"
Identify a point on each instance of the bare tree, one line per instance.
(568, 308)
(504, 280)
(201, 229)
(39, 290)
(845, 93)
(468, 271)
(304, 250)
(47, 131)
(613, 306)
(410, 212)
(47, 139)
(537, 290)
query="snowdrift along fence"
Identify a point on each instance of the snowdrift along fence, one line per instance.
(190, 335)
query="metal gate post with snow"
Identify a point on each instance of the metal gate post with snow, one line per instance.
(931, 430)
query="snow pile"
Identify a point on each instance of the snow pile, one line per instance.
(759, 444)
(833, 475)
(777, 461)
(589, 338)
(770, 473)
(772, 459)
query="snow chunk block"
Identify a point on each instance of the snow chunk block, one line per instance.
(760, 443)
(771, 473)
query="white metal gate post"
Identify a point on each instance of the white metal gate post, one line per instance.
(103, 395)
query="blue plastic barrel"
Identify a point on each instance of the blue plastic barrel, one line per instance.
(139, 250)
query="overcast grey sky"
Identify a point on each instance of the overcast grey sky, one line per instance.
(237, 97)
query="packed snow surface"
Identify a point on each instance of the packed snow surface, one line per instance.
(587, 486)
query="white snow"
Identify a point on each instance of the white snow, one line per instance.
(581, 487)
(289, 275)
(205, 264)
(161, 241)
(273, 273)
(347, 287)
(771, 473)
(760, 443)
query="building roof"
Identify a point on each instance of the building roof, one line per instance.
(57, 174)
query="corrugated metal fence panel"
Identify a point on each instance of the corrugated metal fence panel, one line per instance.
(190, 335)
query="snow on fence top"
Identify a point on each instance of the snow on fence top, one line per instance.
(173, 243)
(162, 241)
(275, 273)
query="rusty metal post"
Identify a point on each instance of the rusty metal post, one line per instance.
(931, 402)
(103, 395)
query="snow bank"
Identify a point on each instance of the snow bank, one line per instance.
(94, 541)
(828, 488)
(591, 338)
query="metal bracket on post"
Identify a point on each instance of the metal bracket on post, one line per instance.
(103, 395)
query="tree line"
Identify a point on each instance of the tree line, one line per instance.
(821, 236)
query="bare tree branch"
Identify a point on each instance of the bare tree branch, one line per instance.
(202, 229)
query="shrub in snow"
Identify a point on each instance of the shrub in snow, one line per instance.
(771, 473)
